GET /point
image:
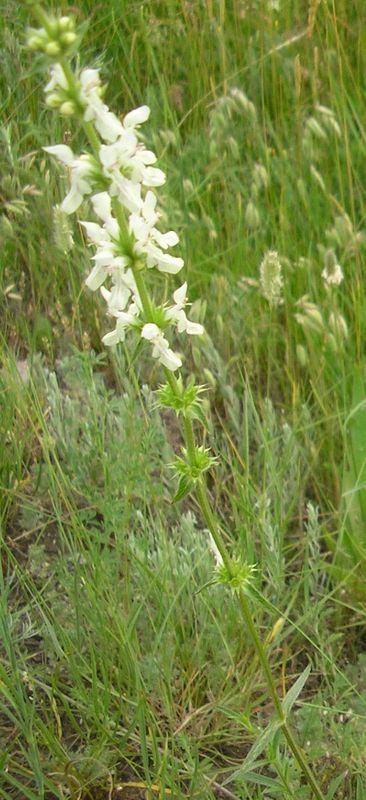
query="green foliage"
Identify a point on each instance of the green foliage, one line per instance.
(121, 659)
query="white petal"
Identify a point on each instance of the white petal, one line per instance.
(62, 152)
(108, 125)
(114, 337)
(146, 156)
(170, 360)
(164, 240)
(194, 328)
(139, 228)
(180, 294)
(150, 331)
(153, 177)
(57, 78)
(119, 297)
(149, 207)
(101, 203)
(129, 194)
(96, 277)
(72, 201)
(136, 117)
(95, 232)
(108, 154)
(105, 293)
(89, 78)
(104, 258)
(169, 264)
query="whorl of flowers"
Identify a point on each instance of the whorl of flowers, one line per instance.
(119, 178)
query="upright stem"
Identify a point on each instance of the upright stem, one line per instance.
(211, 522)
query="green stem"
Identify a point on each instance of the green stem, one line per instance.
(143, 293)
(42, 19)
(204, 503)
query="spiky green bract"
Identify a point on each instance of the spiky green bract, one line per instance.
(191, 471)
(240, 576)
(184, 400)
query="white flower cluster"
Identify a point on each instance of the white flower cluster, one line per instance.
(121, 170)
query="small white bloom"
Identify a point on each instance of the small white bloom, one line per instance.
(176, 314)
(57, 80)
(125, 320)
(62, 152)
(161, 349)
(108, 257)
(136, 117)
(81, 175)
(122, 288)
(150, 241)
(107, 124)
(128, 159)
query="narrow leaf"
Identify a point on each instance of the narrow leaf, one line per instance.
(185, 487)
(295, 690)
(255, 751)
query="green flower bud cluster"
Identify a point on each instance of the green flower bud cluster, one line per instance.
(185, 401)
(240, 577)
(56, 39)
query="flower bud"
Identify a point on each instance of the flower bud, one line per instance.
(68, 108)
(52, 49)
(66, 23)
(35, 42)
(68, 38)
(53, 100)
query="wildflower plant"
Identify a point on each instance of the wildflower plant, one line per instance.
(119, 177)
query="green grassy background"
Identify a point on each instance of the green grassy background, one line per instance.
(119, 666)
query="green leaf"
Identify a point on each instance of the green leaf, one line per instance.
(334, 784)
(255, 751)
(185, 487)
(197, 413)
(295, 690)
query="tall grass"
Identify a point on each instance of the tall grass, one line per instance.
(120, 666)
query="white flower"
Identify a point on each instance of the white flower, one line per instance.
(176, 314)
(107, 124)
(109, 259)
(151, 242)
(57, 80)
(161, 349)
(125, 319)
(126, 159)
(123, 286)
(81, 175)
